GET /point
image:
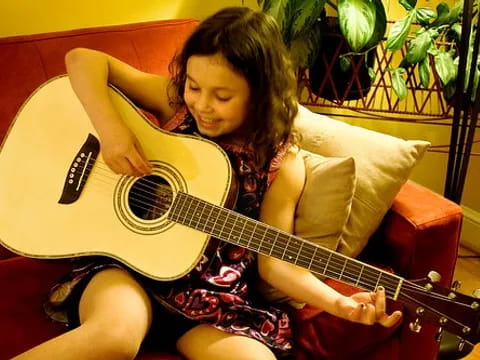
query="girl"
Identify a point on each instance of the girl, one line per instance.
(231, 83)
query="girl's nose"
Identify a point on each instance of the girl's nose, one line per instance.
(203, 103)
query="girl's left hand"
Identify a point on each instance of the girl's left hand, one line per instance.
(369, 308)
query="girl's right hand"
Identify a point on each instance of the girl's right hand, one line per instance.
(123, 153)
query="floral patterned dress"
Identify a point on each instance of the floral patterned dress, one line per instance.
(220, 290)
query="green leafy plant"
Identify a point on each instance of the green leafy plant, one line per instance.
(431, 38)
(362, 23)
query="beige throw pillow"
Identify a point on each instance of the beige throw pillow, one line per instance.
(325, 203)
(383, 164)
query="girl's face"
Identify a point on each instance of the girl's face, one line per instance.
(216, 96)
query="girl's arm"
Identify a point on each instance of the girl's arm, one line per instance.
(89, 72)
(278, 209)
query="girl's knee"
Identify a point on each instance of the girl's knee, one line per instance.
(112, 341)
(206, 342)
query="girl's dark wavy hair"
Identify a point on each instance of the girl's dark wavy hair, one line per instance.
(251, 42)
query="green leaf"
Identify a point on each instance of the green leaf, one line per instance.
(398, 83)
(456, 12)
(443, 15)
(456, 30)
(380, 25)
(408, 4)
(276, 8)
(399, 32)
(308, 11)
(449, 90)
(372, 74)
(445, 67)
(304, 50)
(357, 21)
(424, 71)
(424, 15)
(345, 63)
(418, 47)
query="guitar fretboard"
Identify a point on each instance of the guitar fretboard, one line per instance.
(240, 230)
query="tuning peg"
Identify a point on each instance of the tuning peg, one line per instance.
(461, 344)
(415, 326)
(434, 276)
(439, 334)
(457, 284)
(476, 293)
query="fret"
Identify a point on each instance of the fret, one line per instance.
(252, 235)
(179, 201)
(215, 220)
(299, 251)
(231, 236)
(261, 240)
(343, 269)
(285, 248)
(272, 245)
(360, 275)
(198, 213)
(240, 237)
(378, 281)
(224, 223)
(189, 213)
(206, 221)
(326, 264)
(313, 257)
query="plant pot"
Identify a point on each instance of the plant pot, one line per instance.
(327, 79)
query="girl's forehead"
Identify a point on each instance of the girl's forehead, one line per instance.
(211, 69)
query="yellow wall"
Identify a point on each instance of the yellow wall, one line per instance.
(20, 17)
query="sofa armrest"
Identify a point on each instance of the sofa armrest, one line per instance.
(420, 233)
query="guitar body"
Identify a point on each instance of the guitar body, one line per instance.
(51, 206)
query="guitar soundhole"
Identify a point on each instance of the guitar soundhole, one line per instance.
(150, 197)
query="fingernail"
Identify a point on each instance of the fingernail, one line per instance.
(380, 288)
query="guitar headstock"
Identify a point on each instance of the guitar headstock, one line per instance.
(449, 309)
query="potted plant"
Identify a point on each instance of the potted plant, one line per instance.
(306, 29)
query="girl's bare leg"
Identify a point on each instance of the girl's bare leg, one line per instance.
(115, 315)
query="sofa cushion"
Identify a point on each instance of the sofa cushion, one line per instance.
(325, 203)
(383, 164)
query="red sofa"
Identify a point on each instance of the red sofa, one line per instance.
(420, 233)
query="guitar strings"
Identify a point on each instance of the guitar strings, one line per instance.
(332, 263)
(336, 266)
(147, 191)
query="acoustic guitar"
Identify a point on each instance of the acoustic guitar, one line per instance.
(59, 199)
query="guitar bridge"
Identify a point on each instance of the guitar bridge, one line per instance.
(79, 170)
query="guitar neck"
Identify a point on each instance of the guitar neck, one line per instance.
(240, 230)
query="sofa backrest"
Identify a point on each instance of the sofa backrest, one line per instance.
(28, 61)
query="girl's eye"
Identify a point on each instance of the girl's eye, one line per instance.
(193, 88)
(223, 98)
